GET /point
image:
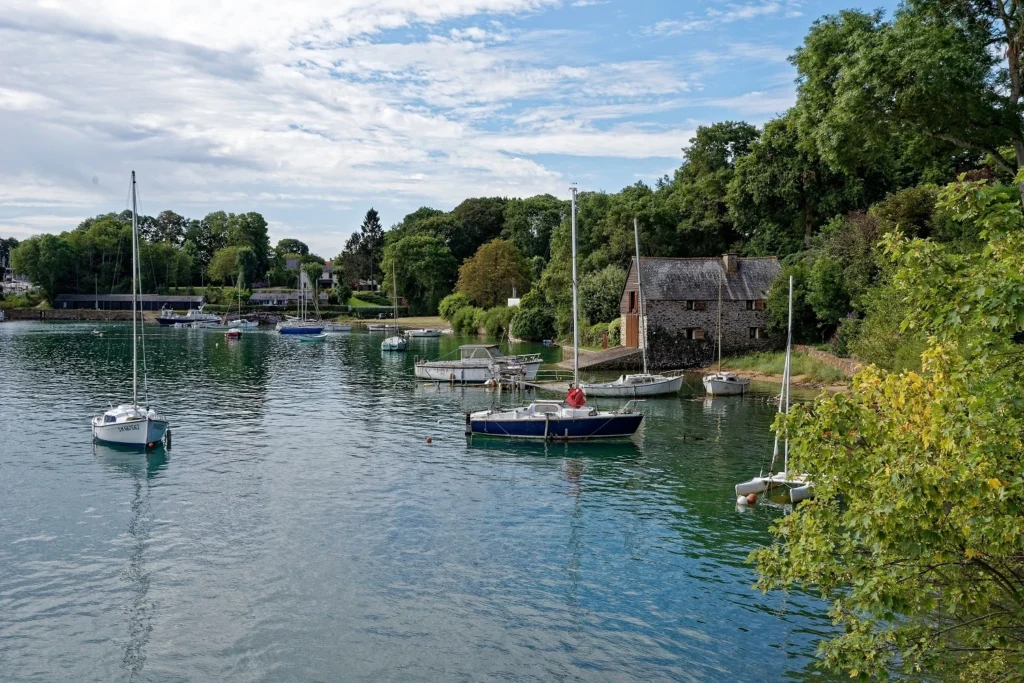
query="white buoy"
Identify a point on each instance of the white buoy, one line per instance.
(741, 500)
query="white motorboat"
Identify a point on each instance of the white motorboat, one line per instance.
(243, 324)
(723, 383)
(381, 327)
(129, 424)
(423, 334)
(644, 384)
(799, 486)
(337, 327)
(477, 364)
(168, 317)
(567, 420)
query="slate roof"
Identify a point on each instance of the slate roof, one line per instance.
(680, 279)
(161, 298)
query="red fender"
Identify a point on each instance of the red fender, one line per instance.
(575, 398)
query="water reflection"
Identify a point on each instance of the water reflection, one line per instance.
(140, 468)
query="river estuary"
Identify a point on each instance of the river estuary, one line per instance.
(301, 528)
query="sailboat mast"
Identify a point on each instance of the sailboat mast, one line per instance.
(394, 290)
(575, 301)
(135, 290)
(788, 371)
(640, 293)
(720, 324)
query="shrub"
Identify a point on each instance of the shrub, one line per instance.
(464, 320)
(533, 299)
(533, 324)
(373, 298)
(342, 293)
(615, 332)
(479, 319)
(452, 303)
(498, 319)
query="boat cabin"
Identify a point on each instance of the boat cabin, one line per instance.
(480, 352)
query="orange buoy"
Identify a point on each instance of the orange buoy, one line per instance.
(752, 498)
(429, 440)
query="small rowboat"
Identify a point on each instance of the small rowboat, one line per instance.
(234, 333)
(313, 337)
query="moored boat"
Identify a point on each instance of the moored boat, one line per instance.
(169, 318)
(428, 333)
(313, 338)
(397, 343)
(129, 424)
(725, 384)
(337, 327)
(555, 420)
(644, 384)
(477, 364)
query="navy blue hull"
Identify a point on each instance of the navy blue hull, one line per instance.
(599, 427)
(301, 330)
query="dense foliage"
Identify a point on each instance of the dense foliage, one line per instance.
(915, 534)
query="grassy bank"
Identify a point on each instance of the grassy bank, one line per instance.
(803, 366)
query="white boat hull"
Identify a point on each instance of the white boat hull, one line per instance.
(624, 388)
(424, 334)
(138, 433)
(454, 371)
(718, 387)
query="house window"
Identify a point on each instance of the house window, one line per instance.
(755, 304)
(632, 302)
(693, 333)
(698, 333)
(757, 333)
(699, 305)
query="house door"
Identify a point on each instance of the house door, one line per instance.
(633, 331)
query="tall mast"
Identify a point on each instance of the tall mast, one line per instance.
(788, 371)
(135, 334)
(394, 290)
(575, 301)
(720, 279)
(640, 292)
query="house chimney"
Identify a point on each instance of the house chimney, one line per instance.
(731, 263)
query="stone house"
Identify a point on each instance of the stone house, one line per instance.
(681, 308)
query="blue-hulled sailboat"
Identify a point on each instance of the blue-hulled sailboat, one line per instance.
(569, 420)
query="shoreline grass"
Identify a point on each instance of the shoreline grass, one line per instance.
(773, 363)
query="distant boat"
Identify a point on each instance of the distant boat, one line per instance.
(299, 325)
(397, 342)
(381, 327)
(129, 424)
(477, 364)
(723, 383)
(423, 334)
(233, 333)
(800, 488)
(313, 337)
(644, 384)
(168, 317)
(336, 327)
(568, 420)
(243, 324)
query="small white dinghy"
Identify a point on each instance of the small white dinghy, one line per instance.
(129, 424)
(394, 344)
(800, 488)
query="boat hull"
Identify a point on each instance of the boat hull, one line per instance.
(670, 385)
(715, 387)
(559, 429)
(469, 374)
(138, 433)
(301, 330)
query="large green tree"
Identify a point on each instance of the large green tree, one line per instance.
(424, 269)
(528, 223)
(495, 271)
(915, 534)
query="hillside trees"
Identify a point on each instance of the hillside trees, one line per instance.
(491, 275)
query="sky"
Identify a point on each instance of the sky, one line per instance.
(312, 111)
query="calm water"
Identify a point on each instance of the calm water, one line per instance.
(301, 528)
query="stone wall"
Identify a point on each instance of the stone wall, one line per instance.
(847, 366)
(70, 314)
(670, 348)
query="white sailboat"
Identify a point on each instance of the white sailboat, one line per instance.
(130, 424)
(799, 486)
(724, 383)
(644, 384)
(568, 420)
(299, 325)
(397, 342)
